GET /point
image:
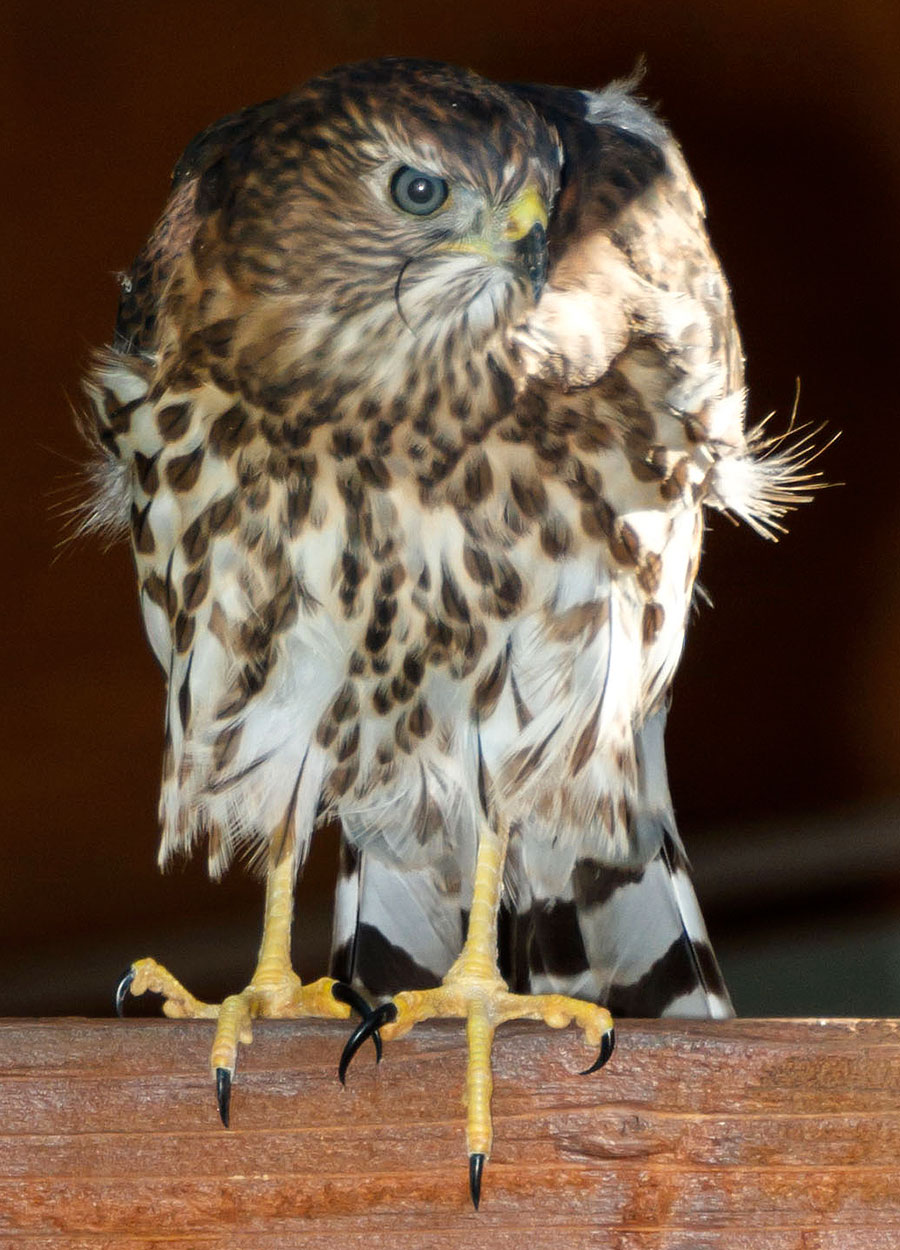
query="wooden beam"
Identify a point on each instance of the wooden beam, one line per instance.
(745, 1135)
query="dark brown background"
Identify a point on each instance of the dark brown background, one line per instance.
(784, 746)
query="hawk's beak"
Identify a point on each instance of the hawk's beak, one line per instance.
(531, 250)
(526, 229)
(517, 235)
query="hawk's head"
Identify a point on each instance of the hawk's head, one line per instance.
(384, 215)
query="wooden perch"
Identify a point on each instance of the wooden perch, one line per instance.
(745, 1135)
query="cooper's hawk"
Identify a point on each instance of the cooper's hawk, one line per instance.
(419, 390)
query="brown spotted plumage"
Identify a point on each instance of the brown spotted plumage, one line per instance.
(416, 492)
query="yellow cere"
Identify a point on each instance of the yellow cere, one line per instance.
(527, 210)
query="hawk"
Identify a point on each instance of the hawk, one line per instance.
(418, 395)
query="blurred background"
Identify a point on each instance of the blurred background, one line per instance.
(784, 740)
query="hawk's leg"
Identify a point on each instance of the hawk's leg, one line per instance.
(274, 991)
(474, 990)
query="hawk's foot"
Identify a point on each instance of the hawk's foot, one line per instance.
(273, 993)
(484, 1002)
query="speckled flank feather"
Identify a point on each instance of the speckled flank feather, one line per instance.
(415, 530)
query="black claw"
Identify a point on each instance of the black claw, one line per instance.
(366, 1028)
(122, 990)
(223, 1093)
(476, 1167)
(347, 994)
(607, 1046)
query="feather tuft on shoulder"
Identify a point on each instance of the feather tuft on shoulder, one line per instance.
(771, 478)
(114, 381)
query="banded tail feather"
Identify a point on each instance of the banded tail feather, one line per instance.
(627, 935)
(631, 939)
(394, 929)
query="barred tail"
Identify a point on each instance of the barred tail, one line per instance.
(394, 928)
(631, 938)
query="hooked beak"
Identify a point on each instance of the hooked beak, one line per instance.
(517, 237)
(526, 228)
(531, 252)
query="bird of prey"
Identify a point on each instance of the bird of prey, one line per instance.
(418, 394)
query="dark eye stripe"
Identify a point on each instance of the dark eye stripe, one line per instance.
(417, 192)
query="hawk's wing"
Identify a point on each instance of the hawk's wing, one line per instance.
(635, 323)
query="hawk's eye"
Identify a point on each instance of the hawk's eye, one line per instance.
(417, 192)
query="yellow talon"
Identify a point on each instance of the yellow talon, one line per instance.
(474, 990)
(275, 990)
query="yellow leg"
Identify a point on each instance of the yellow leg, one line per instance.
(274, 991)
(474, 990)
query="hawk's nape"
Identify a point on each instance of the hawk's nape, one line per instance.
(418, 394)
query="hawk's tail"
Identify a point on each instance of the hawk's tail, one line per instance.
(631, 938)
(395, 928)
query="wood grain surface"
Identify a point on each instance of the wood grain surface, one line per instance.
(745, 1135)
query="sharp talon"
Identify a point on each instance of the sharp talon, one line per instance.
(607, 1046)
(122, 990)
(347, 994)
(476, 1167)
(366, 1028)
(223, 1093)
